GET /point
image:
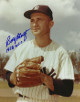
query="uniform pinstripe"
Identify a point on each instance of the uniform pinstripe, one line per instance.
(54, 57)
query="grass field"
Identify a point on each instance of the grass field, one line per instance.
(74, 98)
(3, 84)
(7, 99)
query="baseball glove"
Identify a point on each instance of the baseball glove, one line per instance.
(27, 73)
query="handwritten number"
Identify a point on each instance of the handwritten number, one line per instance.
(12, 47)
(21, 42)
(7, 49)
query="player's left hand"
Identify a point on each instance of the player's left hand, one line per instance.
(47, 80)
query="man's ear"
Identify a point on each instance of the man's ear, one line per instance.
(51, 24)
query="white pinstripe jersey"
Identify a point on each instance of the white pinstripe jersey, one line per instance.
(54, 57)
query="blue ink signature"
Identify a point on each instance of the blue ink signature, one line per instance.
(19, 35)
(15, 39)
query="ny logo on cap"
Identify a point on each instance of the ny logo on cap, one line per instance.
(36, 8)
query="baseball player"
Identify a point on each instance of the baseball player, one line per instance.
(40, 69)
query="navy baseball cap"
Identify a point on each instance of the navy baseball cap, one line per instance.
(39, 9)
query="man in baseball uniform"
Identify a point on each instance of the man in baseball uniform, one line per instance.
(56, 60)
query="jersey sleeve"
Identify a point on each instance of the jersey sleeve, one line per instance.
(11, 64)
(14, 59)
(65, 70)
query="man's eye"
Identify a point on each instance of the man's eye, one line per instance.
(39, 19)
(32, 20)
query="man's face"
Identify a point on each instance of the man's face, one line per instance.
(40, 24)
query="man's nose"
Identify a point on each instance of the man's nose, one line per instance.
(35, 23)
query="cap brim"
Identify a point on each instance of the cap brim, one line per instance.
(27, 14)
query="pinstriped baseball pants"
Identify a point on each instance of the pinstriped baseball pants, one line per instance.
(21, 99)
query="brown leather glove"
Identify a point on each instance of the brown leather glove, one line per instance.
(27, 73)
